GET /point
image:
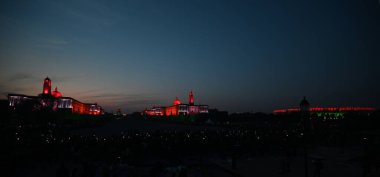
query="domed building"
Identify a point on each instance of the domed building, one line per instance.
(178, 108)
(53, 101)
(325, 113)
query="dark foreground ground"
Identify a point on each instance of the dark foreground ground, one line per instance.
(137, 147)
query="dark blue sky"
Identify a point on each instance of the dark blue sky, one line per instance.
(234, 55)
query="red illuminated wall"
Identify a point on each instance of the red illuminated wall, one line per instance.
(171, 110)
(78, 107)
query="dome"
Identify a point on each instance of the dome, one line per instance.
(56, 93)
(47, 78)
(176, 101)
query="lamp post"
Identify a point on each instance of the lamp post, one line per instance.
(305, 117)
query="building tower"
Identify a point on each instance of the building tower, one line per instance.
(305, 114)
(47, 87)
(305, 118)
(191, 98)
(304, 105)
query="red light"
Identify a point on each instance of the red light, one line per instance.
(279, 111)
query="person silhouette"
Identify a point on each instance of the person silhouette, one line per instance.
(62, 171)
(318, 167)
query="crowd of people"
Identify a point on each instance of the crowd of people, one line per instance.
(75, 154)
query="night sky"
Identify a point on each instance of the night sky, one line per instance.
(243, 56)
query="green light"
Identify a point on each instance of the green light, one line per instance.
(330, 115)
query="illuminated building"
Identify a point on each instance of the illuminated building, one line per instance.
(325, 113)
(326, 109)
(178, 108)
(53, 101)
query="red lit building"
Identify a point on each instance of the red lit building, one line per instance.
(53, 101)
(328, 113)
(178, 108)
(326, 109)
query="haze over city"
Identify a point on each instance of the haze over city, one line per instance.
(234, 55)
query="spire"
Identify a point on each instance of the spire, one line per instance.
(304, 105)
(46, 86)
(304, 102)
(191, 98)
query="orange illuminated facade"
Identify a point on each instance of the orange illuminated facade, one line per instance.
(178, 108)
(53, 101)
